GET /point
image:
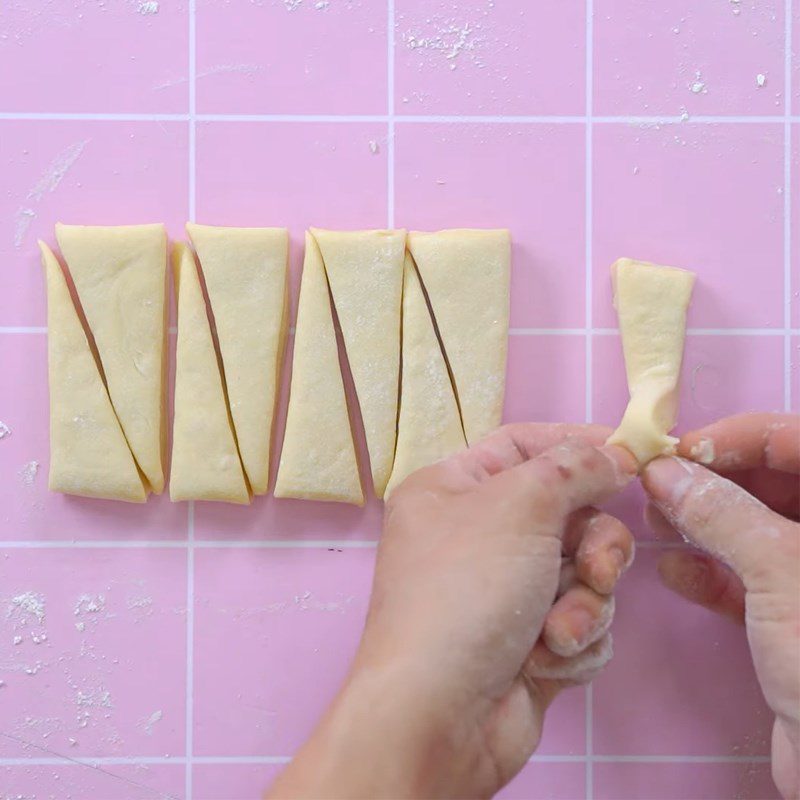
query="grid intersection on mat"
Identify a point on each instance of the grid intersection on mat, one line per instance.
(392, 120)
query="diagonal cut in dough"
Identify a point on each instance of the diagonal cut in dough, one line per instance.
(245, 270)
(88, 452)
(120, 277)
(205, 459)
(318, 461)
(429, 427)
(651, 303)
(465, 273)
(365, 273)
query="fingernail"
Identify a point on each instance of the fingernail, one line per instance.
(625, 466)
(667, 479)
(620, 562)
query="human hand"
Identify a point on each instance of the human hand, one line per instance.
(475, 621)
(743, 516)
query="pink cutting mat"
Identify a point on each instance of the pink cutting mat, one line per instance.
(185, 652)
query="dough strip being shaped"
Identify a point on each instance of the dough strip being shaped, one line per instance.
(120, 275)
(466, 274)
(245, 271)
(88, 452)
(205, 460)
(651, 303)
(429, 427)
(318, 460)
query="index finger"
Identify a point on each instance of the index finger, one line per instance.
(745, 441)
(567, 477)
(514, 444)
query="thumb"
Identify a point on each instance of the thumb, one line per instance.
(723, 519)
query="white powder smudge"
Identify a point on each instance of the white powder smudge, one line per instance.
(321, 5)
(22, 221)
(148, 724)
(17, 640)
(761, 79)
(217, 69)
(27, 604)
(292, 5)
(307, 602)
(373, 147)
(148, 7)
(4, 430)
(28, 473)
(57, 170)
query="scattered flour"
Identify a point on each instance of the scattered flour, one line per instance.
(373, 147)
(761, 79)
(28, 473)
(148, 7)
(698, 85)
(89, 604)
(4, 430)
(25, 605)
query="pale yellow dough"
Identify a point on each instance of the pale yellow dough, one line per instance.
(365, 273)
(318, 460)
(120, 277)
(245, 270)
(430, 426)
(88, 452)
(466, 275)
(205, 459)
(651, 304)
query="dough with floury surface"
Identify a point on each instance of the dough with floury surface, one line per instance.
(318, 460)
(120, 275)
(429, 427)
(365, 273)
(466, 274)
(205, 458)
(88, 452)
(651, 303)
(245, 271)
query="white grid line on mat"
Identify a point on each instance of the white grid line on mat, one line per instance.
(407, 119)
(192, 206)
(223, 760)
(589, 341)
(787, 209)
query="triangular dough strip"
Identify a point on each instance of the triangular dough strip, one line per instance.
(429, 426)
(205, 461)
(245, 270)
(318, 461)
(465, 273)
(365, 273)
(120, 278)
(651, 303)
(88, 452)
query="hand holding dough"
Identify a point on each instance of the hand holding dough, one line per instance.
(651, 303)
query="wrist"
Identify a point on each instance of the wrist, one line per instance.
(385, 735)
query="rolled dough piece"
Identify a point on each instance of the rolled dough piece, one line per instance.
(245, 271)
(318, 461)
(120, 278)
(205, 459)
(88, 452)
(651, 303)
(365, 273)
(429, 426)
(466, 275)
